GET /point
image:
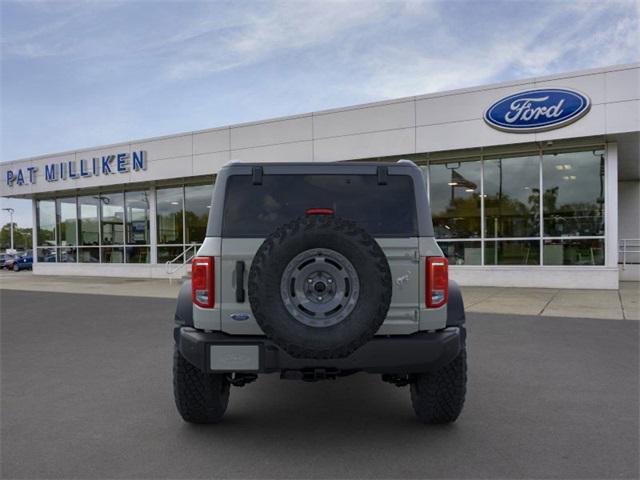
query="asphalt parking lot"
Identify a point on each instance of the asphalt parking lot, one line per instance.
(86, 393)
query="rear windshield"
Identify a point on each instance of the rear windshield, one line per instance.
(257, 210)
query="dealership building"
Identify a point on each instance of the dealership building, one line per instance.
(533, 183)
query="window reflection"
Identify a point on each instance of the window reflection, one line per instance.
(455, 199)
(46, 255)
(137, 254)
(112, 218)
(196, 211)
(512, 252)
(137, 218)
(462, 253)
(88, 220)
(67, 212)
(574, 252)
(46, 218)
(512, 197)
(89, 255)
(573, 198)
(169, 206)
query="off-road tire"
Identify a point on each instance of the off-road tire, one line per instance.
(200, 397)
(438, 397)
(322, 232)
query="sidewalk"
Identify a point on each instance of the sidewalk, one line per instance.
(610, 304)
(607, 304)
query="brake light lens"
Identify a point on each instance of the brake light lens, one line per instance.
(202, 282)
(437, 281)
(319, 211)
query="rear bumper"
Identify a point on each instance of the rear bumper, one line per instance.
(399, 354)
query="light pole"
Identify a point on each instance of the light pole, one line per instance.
(11, 212)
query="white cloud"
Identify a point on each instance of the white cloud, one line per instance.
(287, 26)
(528, 47)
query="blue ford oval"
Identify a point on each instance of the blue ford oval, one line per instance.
(537, 110)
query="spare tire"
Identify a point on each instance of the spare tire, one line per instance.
(320, 287)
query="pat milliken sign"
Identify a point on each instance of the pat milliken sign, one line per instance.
(117, 163)
(537, 110)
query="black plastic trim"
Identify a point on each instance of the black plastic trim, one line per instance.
(455, 306)
(184, 306)
(240, 281)
(257, 175)
(398, 354)
(383, 172)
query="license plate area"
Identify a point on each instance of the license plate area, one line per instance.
(234, 358)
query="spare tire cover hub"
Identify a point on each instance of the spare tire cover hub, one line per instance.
(320, 287)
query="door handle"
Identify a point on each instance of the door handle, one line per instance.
(240, 281)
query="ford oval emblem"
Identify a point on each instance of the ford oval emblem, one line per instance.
(537, 110)
(240, 317)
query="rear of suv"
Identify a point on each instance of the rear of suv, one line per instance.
(317, 271)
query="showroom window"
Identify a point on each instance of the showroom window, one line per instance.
(88, 229)
(182, 214)
(107, 228)
(489, 211)
(573, 194)
(67, 225)
(46, 230)
(138, 238)
(115, 227)
(512, 197)
(112, 227)
(197, 202)
(454, 189)
(170, 219)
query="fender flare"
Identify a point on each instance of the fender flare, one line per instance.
(455, 306)
(184, 308)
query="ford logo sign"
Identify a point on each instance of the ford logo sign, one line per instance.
(537, 110)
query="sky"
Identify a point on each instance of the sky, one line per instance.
(87, 73)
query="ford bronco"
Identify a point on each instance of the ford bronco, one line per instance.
(318, 271)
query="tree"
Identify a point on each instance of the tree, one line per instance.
(21, 237)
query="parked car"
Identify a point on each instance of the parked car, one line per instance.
(7, 261)
(23, 262)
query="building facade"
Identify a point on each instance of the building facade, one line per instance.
(532, 182)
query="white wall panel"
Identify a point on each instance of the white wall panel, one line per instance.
(100, 152)
(392, 142)
(209, 163)
(166, 147)
(270, 133)
(286, 152)
(593, 123)
(623, 85)
(361, 120)
(456, 108)
(592, 85)
(211, 141)
(623, 117)
(165, 168)
(469, 134)
(629, 209)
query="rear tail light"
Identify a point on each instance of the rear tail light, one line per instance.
(437, 281)
(202, 283)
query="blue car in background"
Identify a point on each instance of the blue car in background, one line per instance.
(23, 262)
